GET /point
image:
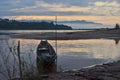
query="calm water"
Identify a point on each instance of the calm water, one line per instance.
(87, 26)
(36, 31)
(72, 54)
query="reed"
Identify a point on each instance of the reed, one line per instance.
(13, 65)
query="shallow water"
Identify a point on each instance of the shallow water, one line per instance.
(74, 54)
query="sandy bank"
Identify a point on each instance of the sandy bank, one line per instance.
(112, 34)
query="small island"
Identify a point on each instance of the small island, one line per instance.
(6, 24)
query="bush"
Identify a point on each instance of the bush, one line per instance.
(117, 26)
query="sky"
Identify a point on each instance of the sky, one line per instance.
(100, 11)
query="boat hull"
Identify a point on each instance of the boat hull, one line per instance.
(46, 58)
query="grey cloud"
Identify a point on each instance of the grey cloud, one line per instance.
(12, 4)
(29, 7)
(71, 2)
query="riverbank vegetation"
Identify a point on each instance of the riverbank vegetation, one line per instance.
(13, 65)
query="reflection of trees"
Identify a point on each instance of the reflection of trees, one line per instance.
(116, 41)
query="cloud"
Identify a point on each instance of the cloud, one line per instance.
(99, 8)
(43, 8)
(59, 7)
(106, 4)
(40, 7)
(106, 8)
(12, 4)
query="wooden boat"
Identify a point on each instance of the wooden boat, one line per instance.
(46, 57)
(45, 52)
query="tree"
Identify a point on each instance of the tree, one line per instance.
(117, 26)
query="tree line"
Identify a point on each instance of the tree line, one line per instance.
(6, 24)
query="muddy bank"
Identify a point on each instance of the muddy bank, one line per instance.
(108, 71)
(112, 34)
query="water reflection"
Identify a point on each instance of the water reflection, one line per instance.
(45, 68)
(72, 54)
(116, 41)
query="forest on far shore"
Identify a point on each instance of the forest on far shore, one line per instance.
(6, 24)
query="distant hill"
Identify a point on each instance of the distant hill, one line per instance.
(6, 24)
(35, 20)
(75, 21)
(80, 22)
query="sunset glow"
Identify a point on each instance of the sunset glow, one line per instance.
(98, 19)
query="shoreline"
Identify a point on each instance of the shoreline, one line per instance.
(95, 34)
(105, 71)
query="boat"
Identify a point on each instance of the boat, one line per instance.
(45, 52)
(46, 58)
